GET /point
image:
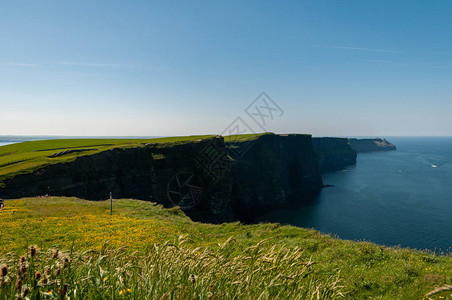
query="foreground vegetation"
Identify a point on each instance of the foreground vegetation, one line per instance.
(169, 271)
(200, 261)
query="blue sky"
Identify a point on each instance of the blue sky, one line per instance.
(148, 68)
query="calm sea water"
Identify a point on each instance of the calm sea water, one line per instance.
(401, 197)
(11, 139)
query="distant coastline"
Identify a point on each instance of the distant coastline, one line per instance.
(12, 139)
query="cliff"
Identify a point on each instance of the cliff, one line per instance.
(276, 169)
(370, 145)
(334, 153)
(206, 177)
(213, 179)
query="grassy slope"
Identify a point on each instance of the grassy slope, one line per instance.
(27, 157)
(243, 137)
(366, 270)
(248, 137)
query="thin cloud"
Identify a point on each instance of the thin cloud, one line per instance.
(75, 64)
(22, 65)
(378, 61)
(358, 49)
(83, 64)
(408, 64)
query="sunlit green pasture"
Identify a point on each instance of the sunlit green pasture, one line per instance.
(286, 257)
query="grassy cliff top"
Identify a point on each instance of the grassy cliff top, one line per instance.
(238, 138)
(279, 262)
(243, 137)
(26, 157)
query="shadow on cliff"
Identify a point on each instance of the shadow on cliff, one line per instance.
(296, 201)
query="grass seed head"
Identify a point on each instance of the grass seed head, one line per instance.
(22, 269)
(37, 275)
(4, 271)
(66, 262)
(62, 291)
(19, 284)
(26, 291)
(192, 278)
(32, 251)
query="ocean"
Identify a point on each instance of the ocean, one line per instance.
(11, 139)
(397, 198)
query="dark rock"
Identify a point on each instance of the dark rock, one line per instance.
(334, 153)
(68, 152)
(275, 168)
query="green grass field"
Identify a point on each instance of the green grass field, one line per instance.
(243, 137)
(23, 158)
(227, 261)
(248, 137)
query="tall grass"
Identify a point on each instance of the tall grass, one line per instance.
(167, 271)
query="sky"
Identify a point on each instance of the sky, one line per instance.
(161, 68)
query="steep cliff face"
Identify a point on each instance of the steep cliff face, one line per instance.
(275, 168)
(370, 145)
(200, 176)
(143, 173)
(334, 153)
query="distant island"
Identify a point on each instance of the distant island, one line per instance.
(370, 145)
